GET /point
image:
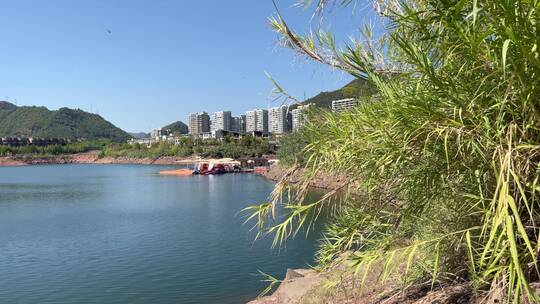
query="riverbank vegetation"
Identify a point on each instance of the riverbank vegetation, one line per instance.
(291, 150)
(447, 155)
(248, 146)
(71, 148)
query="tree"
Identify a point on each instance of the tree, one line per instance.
(291, 150)
(446, 157)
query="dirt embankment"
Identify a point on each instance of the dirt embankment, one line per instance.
(82, 158)
(91, 158)
(321, 180)
(302, 286)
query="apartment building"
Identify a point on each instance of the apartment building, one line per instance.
(239, 124)
(344, 104)
(221, 120)
(277, 120)
(199, 123)
(257, 121)
(298, 116)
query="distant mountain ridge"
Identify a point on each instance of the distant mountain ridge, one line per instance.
(139, 135)
(32, 121)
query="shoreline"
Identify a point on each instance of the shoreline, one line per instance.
(93, 158)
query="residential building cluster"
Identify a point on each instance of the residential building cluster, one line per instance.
(274, 121)
(257, 122)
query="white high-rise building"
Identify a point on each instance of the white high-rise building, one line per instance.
(221, 120)
(199, 123)
(298, 116)
(257, 121)
(277, 120)
(344, 104)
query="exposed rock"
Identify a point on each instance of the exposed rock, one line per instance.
(293, 274)
(297, 284)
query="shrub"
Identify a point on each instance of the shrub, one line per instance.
(447, 157)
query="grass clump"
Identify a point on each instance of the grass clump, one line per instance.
(447, 156)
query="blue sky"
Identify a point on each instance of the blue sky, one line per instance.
(161, 59)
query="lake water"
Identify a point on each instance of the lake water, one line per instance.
(125, 234)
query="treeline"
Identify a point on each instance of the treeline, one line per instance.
(72, 148)
(246, 147)
(291, 150)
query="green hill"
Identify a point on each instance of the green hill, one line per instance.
(177, 127)
(62, 123)
(355, 89)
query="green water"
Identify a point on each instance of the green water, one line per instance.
(125, 234)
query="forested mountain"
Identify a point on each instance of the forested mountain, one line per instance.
(355, 89)
(139, 135)
(32, 121)
(177, 127)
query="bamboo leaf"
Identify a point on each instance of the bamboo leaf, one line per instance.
(506, 44)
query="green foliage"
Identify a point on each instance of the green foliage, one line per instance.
(247, 147)
(271, 281)
(358, 88)
(447, 157)
(177, 128)
(63, 123)
(72, 148)
(291, 149)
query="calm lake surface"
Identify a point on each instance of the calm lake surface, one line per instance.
(125, 234)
